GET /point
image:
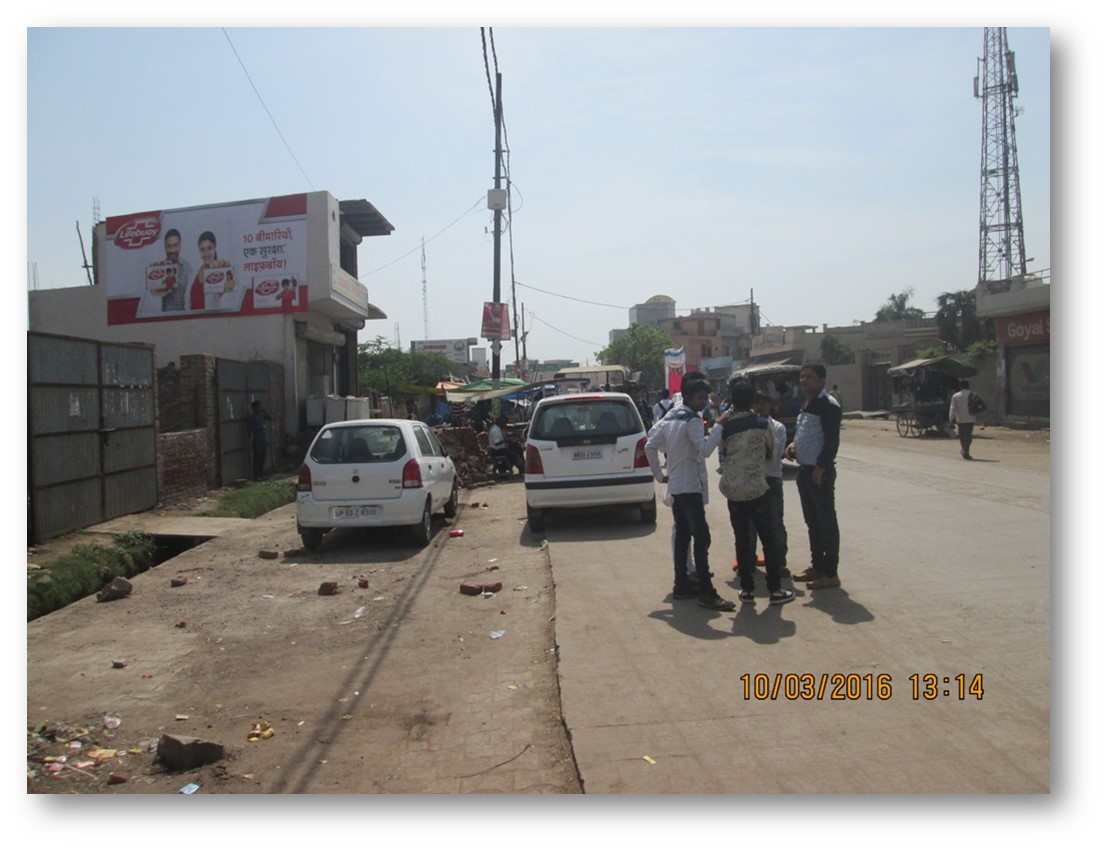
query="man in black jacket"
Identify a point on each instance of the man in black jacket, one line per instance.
(814, 448)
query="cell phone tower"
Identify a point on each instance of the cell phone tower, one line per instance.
(1001, 255)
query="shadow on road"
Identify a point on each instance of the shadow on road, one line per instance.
(368, 544)
(690, 619)
(589, 525)
(838, 604)
(762, 623)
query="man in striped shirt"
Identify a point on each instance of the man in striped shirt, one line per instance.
(814, 448)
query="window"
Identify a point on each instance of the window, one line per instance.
(593, 417)
(361, 443)
(423, 441)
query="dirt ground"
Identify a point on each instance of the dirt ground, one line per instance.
(398, 687)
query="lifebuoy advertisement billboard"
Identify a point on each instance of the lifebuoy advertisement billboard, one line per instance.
(229, 259)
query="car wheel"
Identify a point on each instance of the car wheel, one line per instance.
(536, 519)
(454, 498)
(312, 537)
(423, 530)
(648, 512)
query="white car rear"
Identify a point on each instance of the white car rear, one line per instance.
(586, 450)
(380, 472)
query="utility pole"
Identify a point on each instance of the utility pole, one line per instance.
(496, 344)
(425, 295)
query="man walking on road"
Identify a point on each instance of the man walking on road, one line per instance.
(814, 447)
(748, 445)
(682, 438)
(961, 416)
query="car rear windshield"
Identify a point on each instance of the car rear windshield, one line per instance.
(586, 417)
(359, 443)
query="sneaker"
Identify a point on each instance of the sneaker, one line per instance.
(823, 581)
(716, 602)
(747, 597)
(782, 596)
(684, 593)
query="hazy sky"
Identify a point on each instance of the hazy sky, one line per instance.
(823, 169)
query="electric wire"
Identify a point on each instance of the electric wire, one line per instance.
(267, 111)
(463, 215)
(561, 332)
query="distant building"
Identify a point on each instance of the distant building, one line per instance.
(1020, 309)
(652, 311)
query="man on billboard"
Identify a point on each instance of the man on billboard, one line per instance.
(177, 275)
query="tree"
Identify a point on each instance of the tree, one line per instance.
(393, 371)
(640, 349)
(897, 307)
(959, 325)
(835, 352)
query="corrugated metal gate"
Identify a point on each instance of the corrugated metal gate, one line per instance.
(92, 446)
(239, 384)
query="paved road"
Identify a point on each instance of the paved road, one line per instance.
(946, 571)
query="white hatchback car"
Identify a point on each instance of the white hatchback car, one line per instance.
(586, 450)
(379, 472)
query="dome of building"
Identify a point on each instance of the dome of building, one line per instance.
(660, 298)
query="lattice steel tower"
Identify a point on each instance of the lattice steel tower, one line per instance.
(1001, 255)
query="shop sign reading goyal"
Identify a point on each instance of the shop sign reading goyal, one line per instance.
(1033, 328)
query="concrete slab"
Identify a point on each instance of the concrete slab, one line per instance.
(171, 525)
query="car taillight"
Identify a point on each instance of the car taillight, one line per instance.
(533, 464)
(304, 484)
(412, 475)
(640, 459)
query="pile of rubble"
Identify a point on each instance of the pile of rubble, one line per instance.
(469, 454)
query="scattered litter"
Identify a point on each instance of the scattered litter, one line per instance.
(182, 716)
(497, 634)
(511, 686)
(247, 776)
(543, 545)
(267, 597)
(147, 676)
(188, 789)
(520, 588)
(182, 624)
(301, 723)
(74, 745)
(493, 560)
(456, 532)
(116, 778)
(111, 722)
(261, 730)
(118, 664)
(98, 754)
(328, 588)
(380, 598)
(347, 717)
(648, 760)
(178, 581)
(361, 612)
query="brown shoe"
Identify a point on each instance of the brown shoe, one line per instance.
(807, 574)
(823, 581)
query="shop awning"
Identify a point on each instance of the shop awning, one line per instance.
(943, 364)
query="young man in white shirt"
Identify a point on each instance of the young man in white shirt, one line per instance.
(961, 416)
(682, 439)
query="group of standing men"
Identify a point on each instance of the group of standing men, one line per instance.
(752, 446)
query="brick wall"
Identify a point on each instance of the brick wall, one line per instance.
(186, 460)
(197, 393)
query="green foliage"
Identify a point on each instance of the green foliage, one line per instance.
(388, 370)
(641, 349)
(897, 307)
(253, 499)
(959, 325)
(933, 350)
(835, 352)
(85, 570)
(980, 348)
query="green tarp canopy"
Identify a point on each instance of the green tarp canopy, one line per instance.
(943, 364)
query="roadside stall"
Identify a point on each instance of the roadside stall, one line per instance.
(922, 390)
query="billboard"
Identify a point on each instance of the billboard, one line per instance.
(244, 258)
(496, 322)
(455, 350)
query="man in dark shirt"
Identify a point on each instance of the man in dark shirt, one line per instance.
(814, 448)
(255, 424)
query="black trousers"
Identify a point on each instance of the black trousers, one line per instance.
(818, 505)
(751, 518)
(259, 451)
(965, 436)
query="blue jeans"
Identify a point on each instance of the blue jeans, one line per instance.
(690, 524)
(818, 504)
(748, 519)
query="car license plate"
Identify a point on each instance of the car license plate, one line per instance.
(340, 512)
(587, 453)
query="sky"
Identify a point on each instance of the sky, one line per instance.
(818, 170)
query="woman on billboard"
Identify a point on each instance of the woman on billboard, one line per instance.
(214, 278)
